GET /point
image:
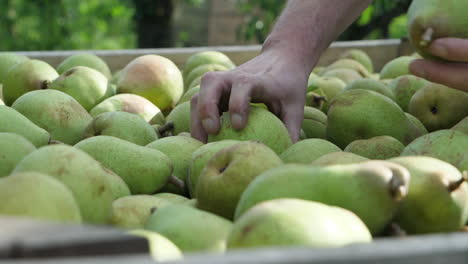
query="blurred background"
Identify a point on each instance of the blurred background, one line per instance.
(27, 25)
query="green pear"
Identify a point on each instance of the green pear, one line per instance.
(85, 59)
(179, 117)
(154, 77)
(199, 71)
(194, 83)
(376, 148)
(372, 85)
(415, 128)
(315, 123)
(192, 203)
(161, 248)
(359, 56)
(27, 76)
(296, 222)
(144, 170)
(363, 114)
(462, 125)
(396, 67)
(1, 102)
(86, 85)
(348, 64)
(56, 112)
(38, 196)
(7, 61)
(312, 77)
(437, 198)
(179, 149)
(432, 19)
(158, 119)
(116, 77)
(318, 70)
(438, 106)
(86, 178)
(262, 126)
(372, 190)
(447, 145)
(338, 158)
(189, 94)
(207, 57)
(324, 90)
(308, 150)
(200, 158)
(13, 148)
(123, 125)
(132, 212)
(346, 75)
(130, 103)
(172, 197)
(229, 172)
(187, 227)
(15, 122)
(404, 87)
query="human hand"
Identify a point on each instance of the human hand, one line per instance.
(451, 74)
(272, 78)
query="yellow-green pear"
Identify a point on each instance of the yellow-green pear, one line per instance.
(161, 248)
(229, 172)
(145, 170)
(297, 223)
(338, 158)
(179, 117)
(462, 125)
(199, 71)
(396, 67)
(308, 150)
(315, 123)
(172, 197)
(116, 77)
(190, 229)
(7, 61)
(194, 83)
(359, 56)
(376, 148)
(404, 87)
(13, 148)
(207, 57)
(56, 112)
(415, 128)
(437, 198)
(372, 85)
(348, 64)
(189, 94)
(15, 122)
(154, 77)
(346, 75)
(85, 59)
(325, 89)
(192, 202)
(38, 196)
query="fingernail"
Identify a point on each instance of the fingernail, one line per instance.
(439, 50)
(209, 125)
(236, 120)
(417, 69)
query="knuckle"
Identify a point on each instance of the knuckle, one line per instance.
(210, 77)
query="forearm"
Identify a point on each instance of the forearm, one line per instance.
(307, 27)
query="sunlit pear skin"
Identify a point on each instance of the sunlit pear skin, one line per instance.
(172, 197)
(58, 113)
(7, 61)
(298, 223)
(376, 148)
(199, 71)
(38, 196)
(90, 183)
(372, 190)
(359, 56)
(87, 60)
(190, 229)
(338, 158)
(161, 248)
(308, 150)
(13, 148)
(15, 122)
(348, 64)
(346, 75)
(404, 87)
(437, 198)
(396, 68)
(206, 57)
(27, 76)
(145, 170)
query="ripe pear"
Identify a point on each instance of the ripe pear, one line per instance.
(15, 122)
(123, 125)
(363, 114)
(262, 126)
(86, 85)
(324, 90)
(56, 112)
(158, 119)
(171, 197)
(187, 227)
(346, 75)
(132, 212)
(312, 77)
(130, 103)
(348, 64)
(180, 118)
(85, 177)
(462, 125)
(447, 145)
(7, 61)
(189, 94)
(161, 248)
(13, 148)
(396, 67)
(38, 196)
(437, 198)
(207, 57)
(432, 19)
(315, 123)
(296, 222)
(144, 170)
(415, 128)
(200, 158)
(229, 172)
(404, 87)
(438, 106)
(308, 150)
(372, 189)
(201, 70)
(338, 158)
(372, 85)
(154, 77)
(85, 59)
(26, 76)
(179, 149)
(376, 148)
(359, 56)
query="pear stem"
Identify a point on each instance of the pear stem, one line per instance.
(45, 84)
(55, 142)
(426, 38)
(169, 126)
(177, 182)
(456, 184)
(398, 189)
